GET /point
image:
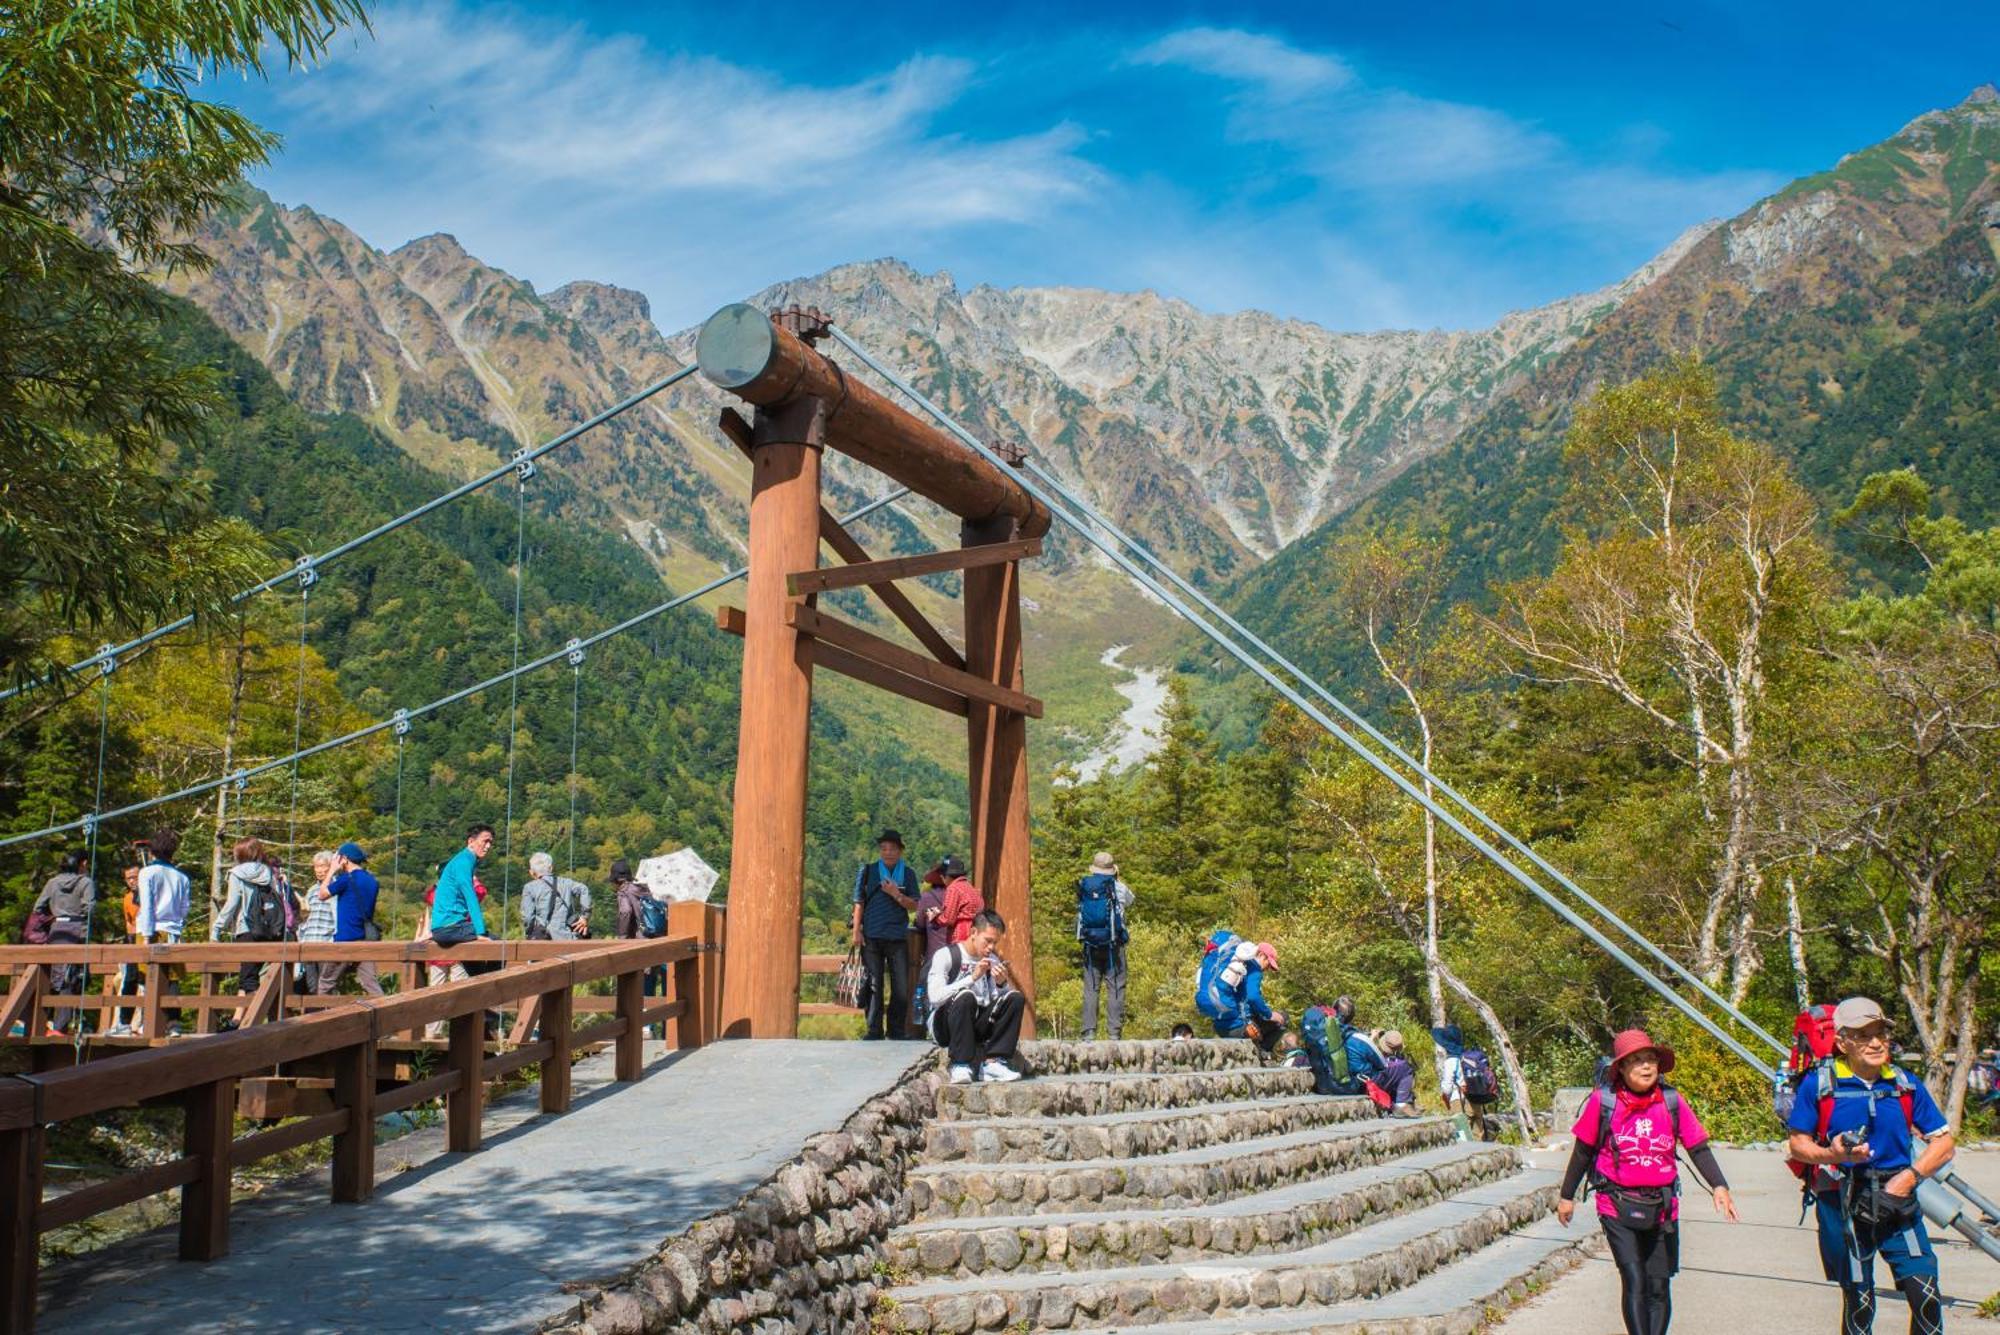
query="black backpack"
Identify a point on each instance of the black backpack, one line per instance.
(264, 919)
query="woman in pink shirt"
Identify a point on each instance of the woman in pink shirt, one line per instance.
(1637, 1176)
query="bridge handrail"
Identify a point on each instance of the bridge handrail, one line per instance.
(202, 1073)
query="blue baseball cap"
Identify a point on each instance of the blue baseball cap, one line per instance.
(353, 853)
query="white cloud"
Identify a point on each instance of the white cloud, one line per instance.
(1248, 57)
(533, 106)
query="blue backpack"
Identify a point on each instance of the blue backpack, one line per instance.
(1100, 926)
(1208, 995)
(652, 917)
(1475, 1072)
(1327, 1055)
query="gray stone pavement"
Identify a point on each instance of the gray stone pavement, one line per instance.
(487, 1241)
(1761, 1274)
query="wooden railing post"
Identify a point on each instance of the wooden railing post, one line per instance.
(557, 1009)
(690, 1028)
(466, 1054)
(20, 1183)
(210, 1131)
(156, 977)
(354, 1148)
(629, 1052)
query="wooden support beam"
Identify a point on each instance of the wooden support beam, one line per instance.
(208, 1139)
(880, 651)
(997, 760)
(835, 535)
(20, 1225)
(760, 986)
(354, 1144)
(690, 1028)
(835, 659)
(741, 350)
(22, 1000)
(556, 1021)
(867, 574)
(466, 1056)
(629, 1058)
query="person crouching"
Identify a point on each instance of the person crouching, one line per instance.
(976, 1010)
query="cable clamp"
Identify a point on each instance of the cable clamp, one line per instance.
(241, 778)
(524, 467)
(308, 573)
(107, 662)
(573, 654)
(90, 826)
(401, 722)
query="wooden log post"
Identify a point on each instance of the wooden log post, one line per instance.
(20, 1229)
(465, 1053)
(760, 987)
(354, 1148)
(629, 1051)
(997, 772)
(558, 1008)
(207, 1138)
(690, 1027)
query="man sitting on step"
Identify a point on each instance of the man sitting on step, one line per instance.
(975, 1010)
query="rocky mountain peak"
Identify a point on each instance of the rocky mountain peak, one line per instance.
(1984, 95)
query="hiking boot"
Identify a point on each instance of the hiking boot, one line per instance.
(998, 1070)
(961, 1075)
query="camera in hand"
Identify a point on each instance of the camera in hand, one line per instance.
(1847, 1140)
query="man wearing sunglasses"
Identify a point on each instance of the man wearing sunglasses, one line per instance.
(1857, 1122)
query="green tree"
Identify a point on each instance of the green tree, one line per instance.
(107, 158)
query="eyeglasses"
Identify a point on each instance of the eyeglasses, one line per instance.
(1866, 1038)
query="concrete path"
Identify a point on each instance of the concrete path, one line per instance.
(1761, 1274)
(486, 1241)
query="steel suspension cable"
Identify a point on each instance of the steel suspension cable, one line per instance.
(1631, 934)
(386, 527)
(96, 805)
(575, 655)
(1305, 706)
(298, 723)
(442, 702)
(514, 691)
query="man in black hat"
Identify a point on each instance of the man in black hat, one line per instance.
(885, 890)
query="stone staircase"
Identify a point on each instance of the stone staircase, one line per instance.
(1187, 1188)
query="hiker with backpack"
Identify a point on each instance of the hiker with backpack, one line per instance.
(1101, 902)
(253, 911)
(67, 900)
(976, 1010)
(1854, 1119)
(353, 891)
(641, 914)
(1398, 1078)
(1626, 1139)
(1467, 1080)
(1229, 989)
(962, 900)
(885, 890)
(553, 908)
(164, 896)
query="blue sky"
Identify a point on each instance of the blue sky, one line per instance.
(1361, 166)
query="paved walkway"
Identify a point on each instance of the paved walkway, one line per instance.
(1762, 1274)
(486, 1241)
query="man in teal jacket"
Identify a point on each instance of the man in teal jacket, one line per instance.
(455, 915)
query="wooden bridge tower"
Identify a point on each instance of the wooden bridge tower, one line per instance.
(804, 403)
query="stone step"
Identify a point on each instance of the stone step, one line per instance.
(1207, 1054)
(1378, 1259)
(1131, 1134)
(1456, 1299)
(1094, 1093)
(1165, 1181)
(1283, 1219)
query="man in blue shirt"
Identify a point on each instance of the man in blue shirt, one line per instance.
(885, 891)
(353, 890)
(1858, 1124)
